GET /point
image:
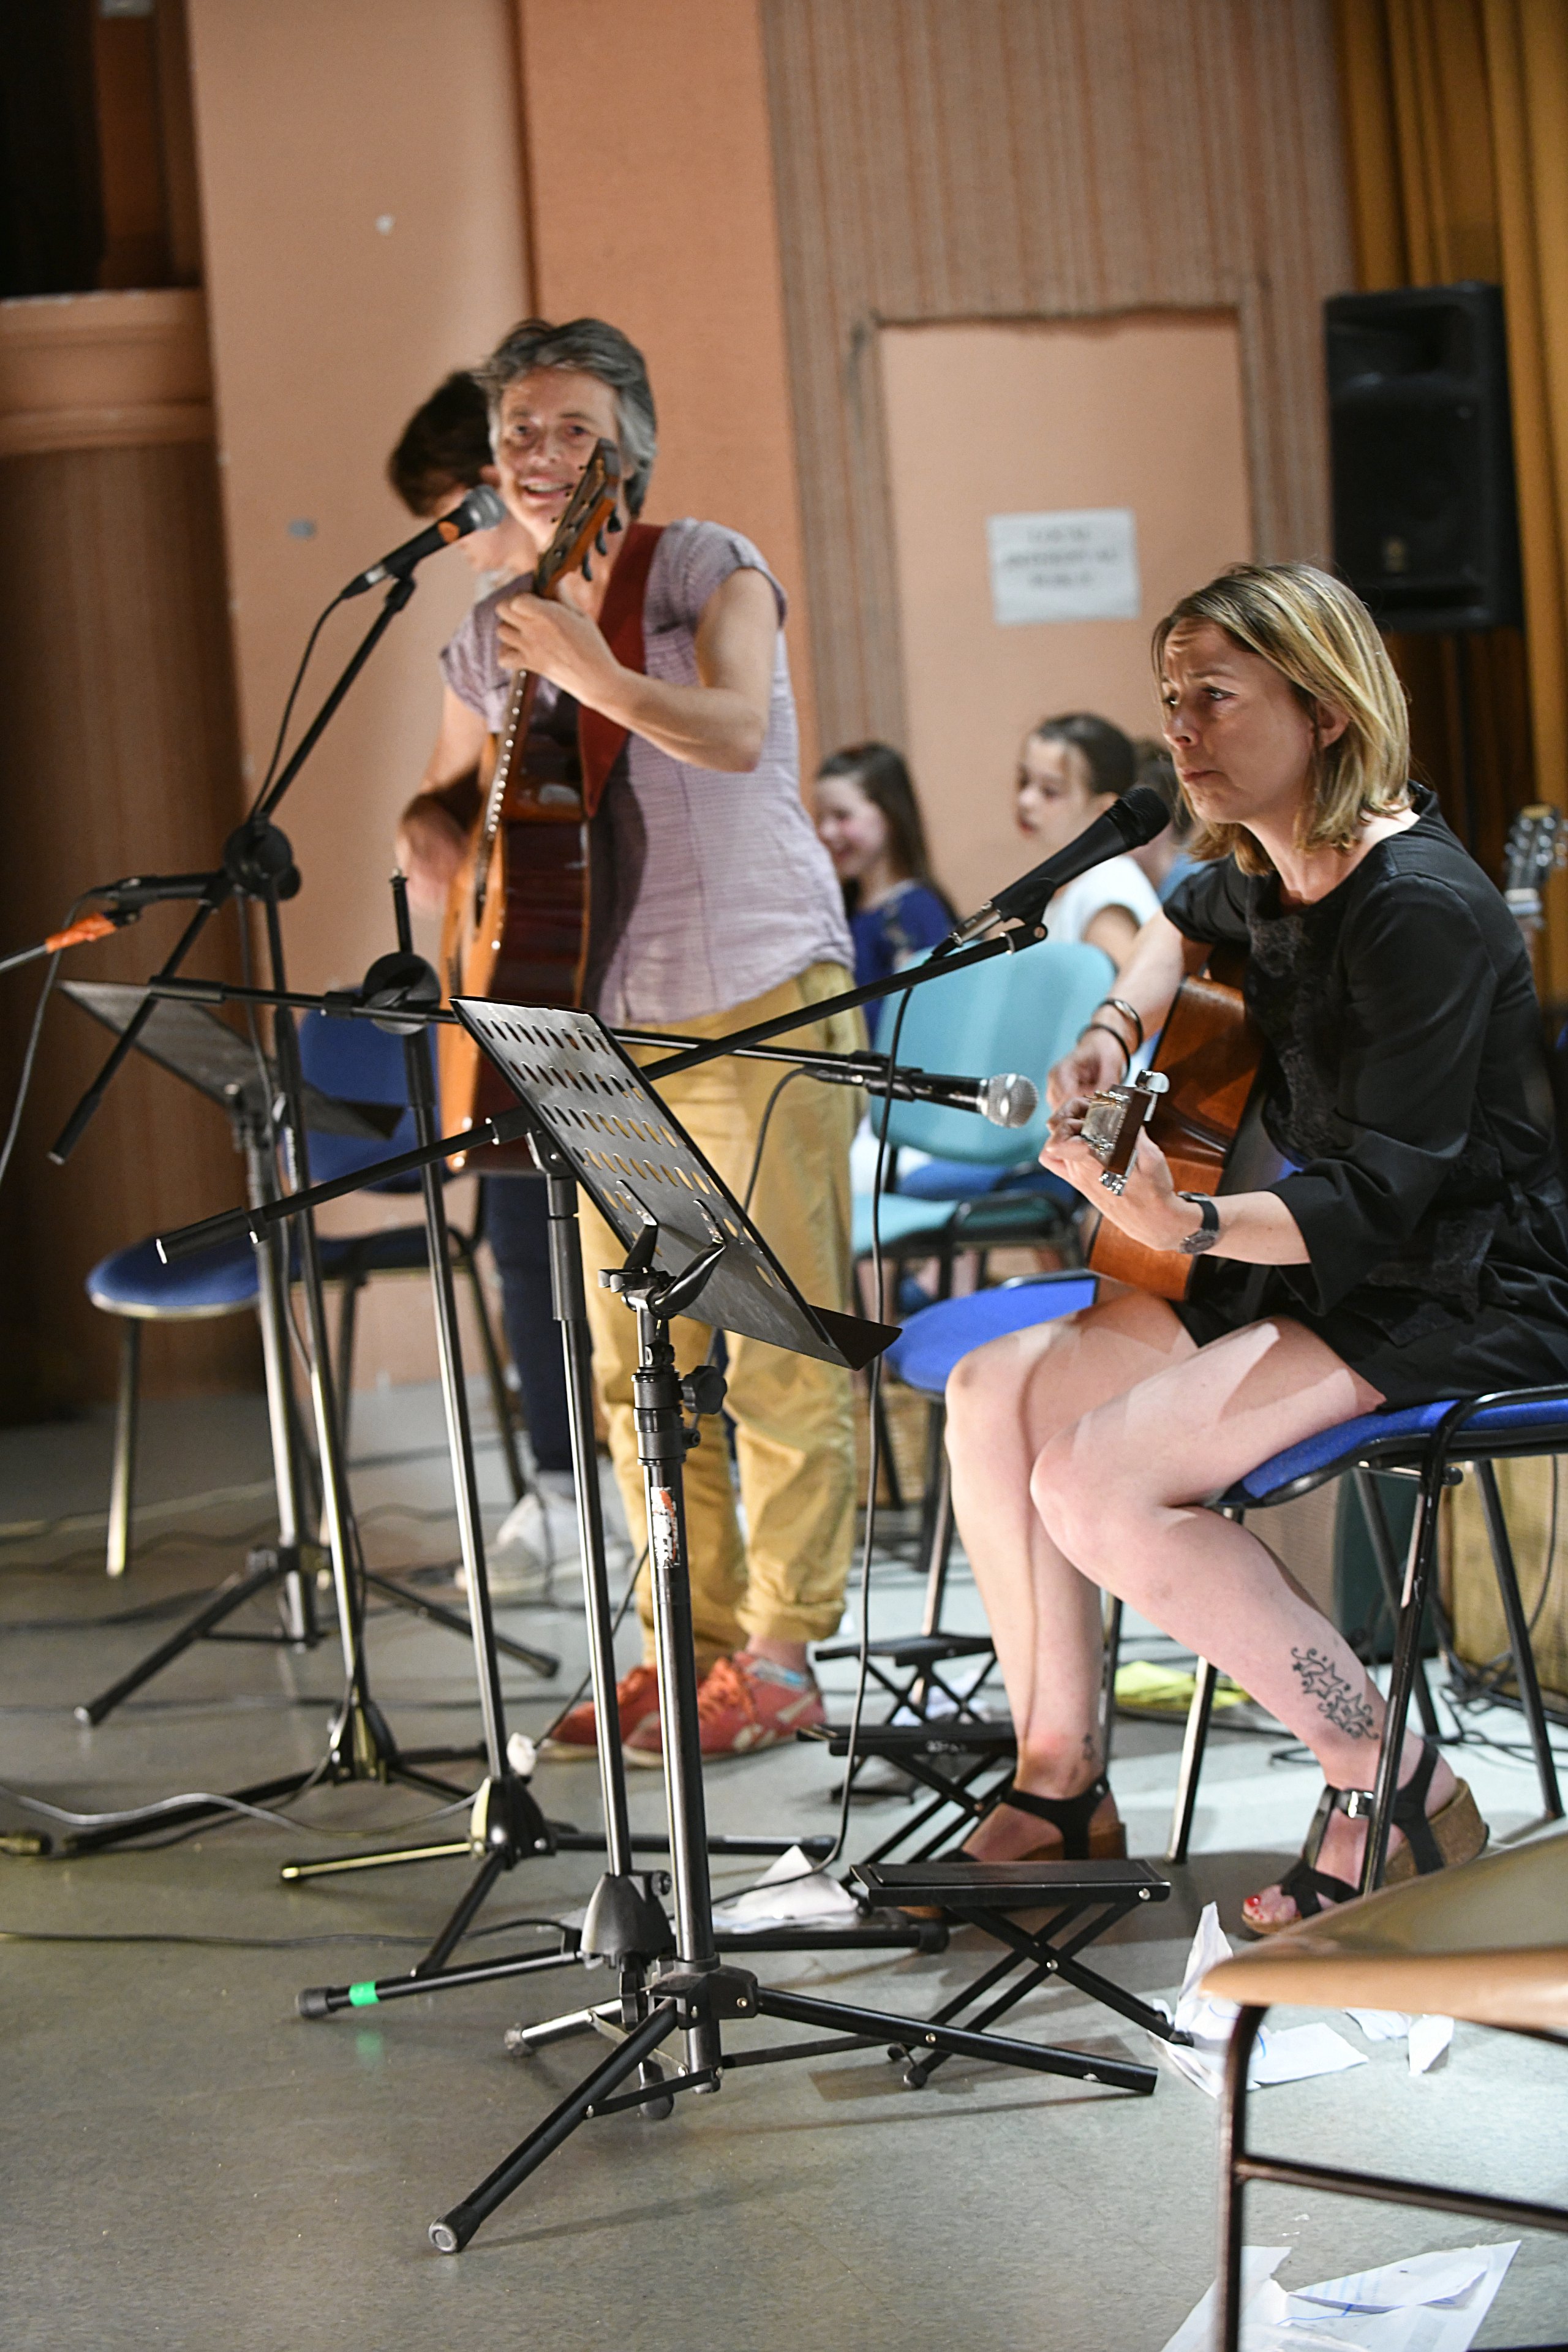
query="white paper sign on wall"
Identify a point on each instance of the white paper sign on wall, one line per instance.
(1080, 565)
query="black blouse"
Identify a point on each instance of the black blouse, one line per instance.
(1405, 1082)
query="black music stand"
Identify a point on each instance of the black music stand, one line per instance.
(190, 1042)
(687, 1237)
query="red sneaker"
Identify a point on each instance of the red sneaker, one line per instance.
(577, 1734)
(745, 1703)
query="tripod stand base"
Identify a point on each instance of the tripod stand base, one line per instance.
(273, 1566)
(731, 1991)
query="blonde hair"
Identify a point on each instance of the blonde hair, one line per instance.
(1321, 637)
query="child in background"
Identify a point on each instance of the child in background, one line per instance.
(869, 820)
(1070, 770)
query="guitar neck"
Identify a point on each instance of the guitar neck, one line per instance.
(509, 746)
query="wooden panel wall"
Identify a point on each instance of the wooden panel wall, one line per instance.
(995, 159)
(118, 755)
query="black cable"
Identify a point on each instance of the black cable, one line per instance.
(264, 1943)
(874, 1448)
(553, 1725)
(266, 784)
(236, 1805)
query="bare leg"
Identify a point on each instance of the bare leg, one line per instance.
(1119, 1490)
(1004, 1402)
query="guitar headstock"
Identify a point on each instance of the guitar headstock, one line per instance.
(1113, 1118)
(591, 515)
(1537, 845)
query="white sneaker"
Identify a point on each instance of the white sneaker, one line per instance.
(538, 1535)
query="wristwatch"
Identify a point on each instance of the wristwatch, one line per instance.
(1206, 1234)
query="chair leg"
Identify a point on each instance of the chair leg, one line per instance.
(1401, 1680)
(1192, 1742)
(1233, 2180)
(500, 1401)
(348, 1307)
(1519, 1638)
(122, 1478)
(1384, 1553)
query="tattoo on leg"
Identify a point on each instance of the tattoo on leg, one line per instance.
(1338, 1700)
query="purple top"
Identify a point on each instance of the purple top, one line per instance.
(735, 893)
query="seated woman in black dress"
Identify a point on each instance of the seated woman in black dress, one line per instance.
(1418, 1250)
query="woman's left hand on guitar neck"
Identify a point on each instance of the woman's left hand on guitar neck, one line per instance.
(1255, 1227)
(721, 722)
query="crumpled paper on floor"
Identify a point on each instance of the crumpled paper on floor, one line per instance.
(790, 1891)
(1428, 2037)
(1428, 2303)
(1291, 2053)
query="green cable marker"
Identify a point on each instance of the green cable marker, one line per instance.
(362, 1996)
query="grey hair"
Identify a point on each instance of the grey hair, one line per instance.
(597, 349)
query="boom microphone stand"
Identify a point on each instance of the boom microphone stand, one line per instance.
(258, 865)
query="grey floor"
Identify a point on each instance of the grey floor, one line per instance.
(187, 2163)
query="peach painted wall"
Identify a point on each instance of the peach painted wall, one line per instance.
(652, 204)
(363, 225)
(1143, 411)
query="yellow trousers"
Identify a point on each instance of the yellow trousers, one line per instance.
(794, 1442)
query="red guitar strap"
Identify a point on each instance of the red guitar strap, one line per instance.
(599, 739)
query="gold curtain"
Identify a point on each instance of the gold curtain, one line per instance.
(1456, 133)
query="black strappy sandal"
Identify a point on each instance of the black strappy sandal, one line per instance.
(1072, 1816)
(1454, 1832)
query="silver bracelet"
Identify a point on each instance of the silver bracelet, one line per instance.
(1206, 1234)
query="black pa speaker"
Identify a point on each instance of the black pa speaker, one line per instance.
(1426, 523)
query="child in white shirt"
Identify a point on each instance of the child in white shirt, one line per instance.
(1070, 770)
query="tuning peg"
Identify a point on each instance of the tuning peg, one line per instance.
(599, 541)
(615, 524)
(587, 567)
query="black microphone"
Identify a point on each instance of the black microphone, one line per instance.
(1132, 819)
(134, 891)
(480, 511)
(1006, 1100)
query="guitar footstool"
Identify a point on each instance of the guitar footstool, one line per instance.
(1080, 1899)
(965, 1764)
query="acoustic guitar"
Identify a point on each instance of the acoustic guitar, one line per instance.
(1536, 846)
(517, 914)
(1195, 1102)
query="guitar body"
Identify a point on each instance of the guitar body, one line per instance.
(516, 925)
(1209, 1053)
(516, 929)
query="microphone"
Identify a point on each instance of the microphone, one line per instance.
(1006, 1100)
(133, 891)
(480, 511)
(1132, 819)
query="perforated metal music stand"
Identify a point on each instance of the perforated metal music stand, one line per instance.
(638, 1164)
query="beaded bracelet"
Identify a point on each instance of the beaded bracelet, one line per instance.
(1107, 1031)
(1129, 1013)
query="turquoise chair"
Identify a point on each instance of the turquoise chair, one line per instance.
(1019, 1012)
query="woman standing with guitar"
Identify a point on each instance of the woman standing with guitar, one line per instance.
(1417, 1248)
(659, 733)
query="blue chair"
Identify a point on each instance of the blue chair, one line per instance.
(135, 1284)
(983, 1188)
(357, 1063)
(1432, 1444)
(354, 1062)
(1020, 1011)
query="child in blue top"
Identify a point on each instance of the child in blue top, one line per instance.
(869, 822)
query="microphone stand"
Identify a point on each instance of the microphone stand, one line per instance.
(258, 865)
